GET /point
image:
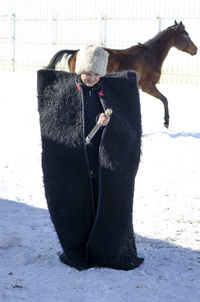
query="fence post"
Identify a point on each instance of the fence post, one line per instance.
(13, 40)
(100, 28)
(52, 24)
(159, 24)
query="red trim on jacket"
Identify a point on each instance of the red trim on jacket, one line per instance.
(101, 93)
(78, 86)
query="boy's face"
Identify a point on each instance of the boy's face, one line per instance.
(90, 78)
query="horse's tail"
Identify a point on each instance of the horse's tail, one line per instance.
(60, 59)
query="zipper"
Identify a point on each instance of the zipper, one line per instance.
(89, 172)
(99, 191)
(86, 156)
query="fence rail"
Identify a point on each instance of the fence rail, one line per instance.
(29, 43)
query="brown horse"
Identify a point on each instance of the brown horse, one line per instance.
(145, 59)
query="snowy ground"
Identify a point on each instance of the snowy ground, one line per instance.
(166, 207)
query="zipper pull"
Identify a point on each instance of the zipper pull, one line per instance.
(90, 92)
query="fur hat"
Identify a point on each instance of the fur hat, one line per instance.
(92, 59)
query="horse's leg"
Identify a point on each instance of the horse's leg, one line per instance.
(152, 90)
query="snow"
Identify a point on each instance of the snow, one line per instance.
(166, 207)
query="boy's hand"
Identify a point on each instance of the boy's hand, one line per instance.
(103, 119)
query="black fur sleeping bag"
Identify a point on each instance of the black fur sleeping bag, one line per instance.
(104, 238)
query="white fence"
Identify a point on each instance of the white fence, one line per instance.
(33, 31)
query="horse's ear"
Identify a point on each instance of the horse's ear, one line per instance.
(181, 23)
(175, 23)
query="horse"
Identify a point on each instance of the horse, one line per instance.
(146, 59)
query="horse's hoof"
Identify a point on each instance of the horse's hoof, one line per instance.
(166, 125)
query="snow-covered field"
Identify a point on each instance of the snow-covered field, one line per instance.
(166, 207)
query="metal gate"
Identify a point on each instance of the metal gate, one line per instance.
(33, 31)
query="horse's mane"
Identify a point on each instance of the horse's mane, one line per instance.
(147, 45)
(157, 37)
(143, 46)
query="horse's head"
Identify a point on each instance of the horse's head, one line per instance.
(182, 39)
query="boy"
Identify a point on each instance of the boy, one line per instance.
(91, 65)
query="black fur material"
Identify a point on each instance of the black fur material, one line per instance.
(104, 238)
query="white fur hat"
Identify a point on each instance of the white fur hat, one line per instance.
(92, 59)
